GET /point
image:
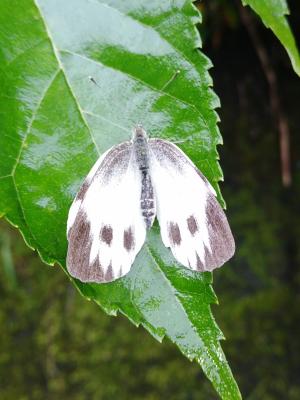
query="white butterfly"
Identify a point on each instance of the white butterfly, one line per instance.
(127, 187)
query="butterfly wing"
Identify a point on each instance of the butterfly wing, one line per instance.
(105, 226)
(192, 223)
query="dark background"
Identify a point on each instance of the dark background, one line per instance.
(56, 345)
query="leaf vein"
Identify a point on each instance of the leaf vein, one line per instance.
(171, 286)
(104, 119)
(175, 49)
(141, 82)
(43, 95)
(24, 52)
(56, 52)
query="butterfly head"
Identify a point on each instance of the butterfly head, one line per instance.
(139, 133)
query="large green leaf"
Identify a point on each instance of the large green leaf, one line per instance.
(56, 121)
(273, 14)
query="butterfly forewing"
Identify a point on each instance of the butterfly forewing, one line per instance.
(105, 226)
(192, 223)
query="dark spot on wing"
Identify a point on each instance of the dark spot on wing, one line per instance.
(106, 234)
(200, 266)
(120, 271)
(79, 251)
(109, 275)
(192, 225)
(82, 190)
(202, 177)
(80, 232)
(174, 233)
(220, 236)
(115, 163)
(128, 239)
(95, 272)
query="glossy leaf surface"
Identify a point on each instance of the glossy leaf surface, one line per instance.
(76, 77)
(273, 14)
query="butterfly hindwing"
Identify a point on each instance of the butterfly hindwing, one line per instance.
(105, 226)
(192, 222)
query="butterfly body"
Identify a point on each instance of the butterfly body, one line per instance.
(141, 154)
(126, 189)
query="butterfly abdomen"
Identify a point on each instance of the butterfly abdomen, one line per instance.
(147, 199)
(148, 208)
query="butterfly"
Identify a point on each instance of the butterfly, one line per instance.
(129, 186)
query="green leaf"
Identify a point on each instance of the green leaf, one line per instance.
(56, 122)
(273, 14)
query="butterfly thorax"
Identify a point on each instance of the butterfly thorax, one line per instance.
(141, 152)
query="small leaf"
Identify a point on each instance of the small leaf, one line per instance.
(273, 14)
(76, 77)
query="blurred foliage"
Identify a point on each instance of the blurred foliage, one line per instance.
(273, 14)
(56, 345)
